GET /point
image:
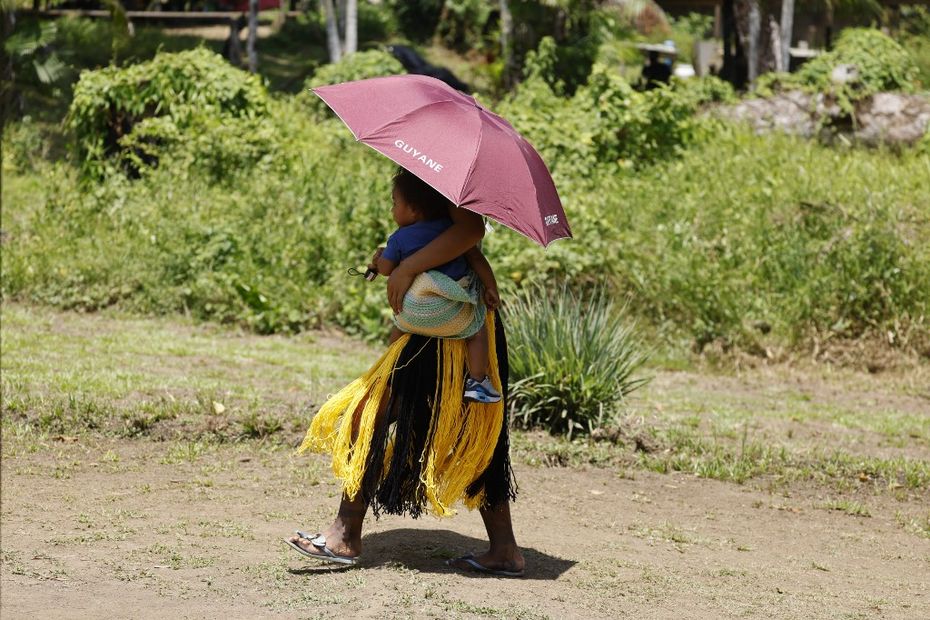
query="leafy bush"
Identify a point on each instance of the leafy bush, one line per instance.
(605, 122)
(109, 103)
(714, 235)
(357, 66)
(880, 65)
(572, 359)
(914, 35)
(751, 242)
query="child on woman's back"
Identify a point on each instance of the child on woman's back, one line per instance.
(421, 214)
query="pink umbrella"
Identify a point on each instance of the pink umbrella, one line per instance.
(469, 154)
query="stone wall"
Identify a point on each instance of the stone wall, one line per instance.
(886, 118)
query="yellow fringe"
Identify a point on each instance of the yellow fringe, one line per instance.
(461, 443)
(331, 429)
(463, 440)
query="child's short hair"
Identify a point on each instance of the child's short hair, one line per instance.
(422, 198)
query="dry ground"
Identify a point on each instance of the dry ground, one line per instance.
(184, 519)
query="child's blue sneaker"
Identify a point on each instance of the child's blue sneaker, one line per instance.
(481, 391)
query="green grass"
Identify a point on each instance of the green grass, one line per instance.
(65, 375)
(850, 507)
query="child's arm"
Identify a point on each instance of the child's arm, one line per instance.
(384, 266)
(482, 269)
(381, 265)
(386, 259)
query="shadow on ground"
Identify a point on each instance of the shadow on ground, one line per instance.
(427, 551)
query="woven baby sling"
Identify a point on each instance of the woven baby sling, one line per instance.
(436, 305)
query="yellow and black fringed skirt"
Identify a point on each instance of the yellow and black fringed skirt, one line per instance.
(430, 450)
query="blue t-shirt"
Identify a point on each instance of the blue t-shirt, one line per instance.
(408, 239)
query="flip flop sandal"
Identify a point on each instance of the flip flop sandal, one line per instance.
(325, 553)
(480, 568)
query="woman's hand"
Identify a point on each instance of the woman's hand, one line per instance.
(398, 283)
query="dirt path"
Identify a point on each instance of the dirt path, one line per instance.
(129, 491)
(128, 529)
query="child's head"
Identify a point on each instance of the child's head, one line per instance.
(415, 200)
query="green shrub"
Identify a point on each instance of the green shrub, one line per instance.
(880, 63)
(109, 103)
(914, 35)
(750, 241)
(222, 148)
(605, 122)
(572, 359)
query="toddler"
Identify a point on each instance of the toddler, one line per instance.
(421, 214)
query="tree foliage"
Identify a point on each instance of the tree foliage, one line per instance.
(109, 104)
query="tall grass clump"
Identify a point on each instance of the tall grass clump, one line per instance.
(573, 359)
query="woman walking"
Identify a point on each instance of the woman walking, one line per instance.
(410, 436)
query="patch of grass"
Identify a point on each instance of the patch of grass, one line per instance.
(919, 524)
(175, 557)
(850, 507)
(74, 373)
(686, 449)
(185, 452)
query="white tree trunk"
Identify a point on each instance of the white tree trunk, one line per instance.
(332, 31)
(787, 26)
(775, 45)
(253, 33)
(755, 23)
(351, 31)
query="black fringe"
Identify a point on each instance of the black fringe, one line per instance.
(410, 408)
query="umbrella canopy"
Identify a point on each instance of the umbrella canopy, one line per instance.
(470, 155)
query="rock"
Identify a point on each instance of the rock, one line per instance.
(892, 118)
(842, 74)
(886, 118)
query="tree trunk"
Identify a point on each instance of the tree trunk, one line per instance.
(351, 30)
(253, 33)
(755, 23)
(776, 60)
(507, 45)
(233, 48)
(787, 27)
(8, 14)
(332, 31)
